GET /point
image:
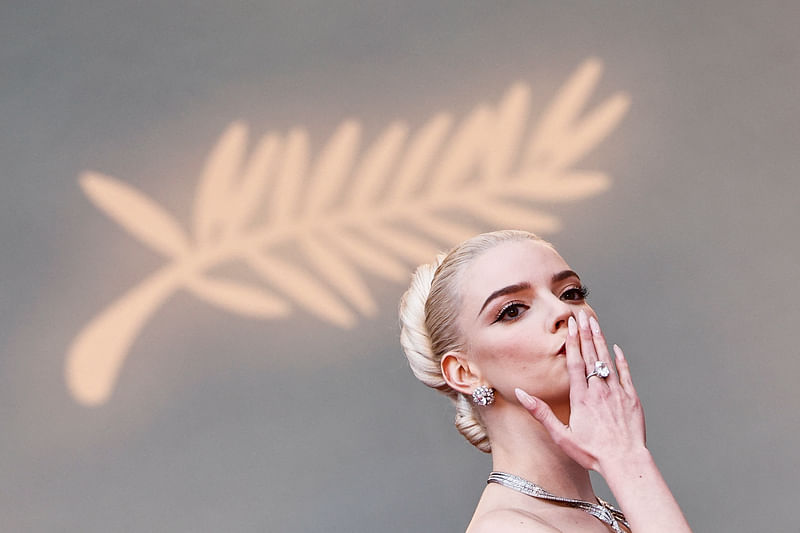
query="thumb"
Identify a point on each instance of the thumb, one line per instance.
(542, 412)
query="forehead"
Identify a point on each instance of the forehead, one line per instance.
(509, 263)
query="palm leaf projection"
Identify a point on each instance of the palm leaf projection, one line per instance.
(349, 211)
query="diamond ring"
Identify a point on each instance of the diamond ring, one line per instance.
(601, 370)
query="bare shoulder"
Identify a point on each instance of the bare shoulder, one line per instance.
(510, 521)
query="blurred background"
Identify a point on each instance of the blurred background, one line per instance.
(289, 421)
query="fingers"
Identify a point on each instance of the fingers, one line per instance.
(624, 372)
(576, 366)
(589, 349)
(601, 348)
(627, 384)
(542, 412)
(587, 341)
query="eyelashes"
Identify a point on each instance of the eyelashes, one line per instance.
(513, 310)
(576, 293)
(510, 311)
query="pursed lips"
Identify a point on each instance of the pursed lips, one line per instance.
(563, 349)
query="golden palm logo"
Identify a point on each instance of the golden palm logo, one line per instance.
(379, 209)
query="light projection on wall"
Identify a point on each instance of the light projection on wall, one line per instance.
(355, 208)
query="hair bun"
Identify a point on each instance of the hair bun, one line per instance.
(414, 336)
(416, 342)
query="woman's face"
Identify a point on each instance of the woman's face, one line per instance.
(516, 299)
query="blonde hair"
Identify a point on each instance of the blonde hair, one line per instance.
(428, 328)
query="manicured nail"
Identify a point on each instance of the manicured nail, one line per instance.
(525, 399)
(572, 326)
(618, 352)
(595, 325)
(582, 319)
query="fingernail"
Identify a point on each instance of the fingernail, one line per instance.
(595, 325)
(525, 399)
(582, 319)
(618, 352)
(572, 326)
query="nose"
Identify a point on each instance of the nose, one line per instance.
(561, 312)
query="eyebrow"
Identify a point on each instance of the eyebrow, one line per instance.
(564, 274)
(524, 285)
(505, 290)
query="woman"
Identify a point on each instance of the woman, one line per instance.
(502, 327)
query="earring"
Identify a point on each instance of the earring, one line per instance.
(483, 395)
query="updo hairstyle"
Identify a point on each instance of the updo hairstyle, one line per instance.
(428, 328)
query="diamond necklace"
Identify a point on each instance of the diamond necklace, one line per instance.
(603, 511)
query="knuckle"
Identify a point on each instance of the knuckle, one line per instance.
(633, 403)
(576, 364)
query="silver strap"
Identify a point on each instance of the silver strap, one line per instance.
(603, 511)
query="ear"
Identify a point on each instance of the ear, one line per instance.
(459, 373)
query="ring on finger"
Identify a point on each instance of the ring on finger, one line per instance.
(601, 370)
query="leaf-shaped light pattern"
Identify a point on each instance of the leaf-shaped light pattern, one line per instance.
(561, 137)
(238, 297)
(371, 259)
(375, 165)
(562, 113)
(216, 183)
(444, 229)
(339, 273)
(498, 213)
(463, 151)
(332, 168)
(507, 128)
(247, 196)
(306, 291)
(589, 131)
(404, 244)
(552, 189)
(421, 152)
(95, 356)
(350, 211)
(291, 172)
(142, 217)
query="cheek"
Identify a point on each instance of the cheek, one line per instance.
(512, 349)
(521, 360)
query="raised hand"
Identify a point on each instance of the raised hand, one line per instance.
(606, 420)
(606, 431)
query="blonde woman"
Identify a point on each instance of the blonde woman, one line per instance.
(502, 327)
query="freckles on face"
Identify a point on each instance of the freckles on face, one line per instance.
(499, 344)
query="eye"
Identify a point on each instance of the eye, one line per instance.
(576, 294)
(510, 312)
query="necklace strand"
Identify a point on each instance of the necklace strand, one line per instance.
(603, 511)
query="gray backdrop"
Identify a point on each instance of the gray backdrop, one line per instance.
(224, 423)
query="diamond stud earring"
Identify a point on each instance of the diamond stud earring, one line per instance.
(483, 395)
